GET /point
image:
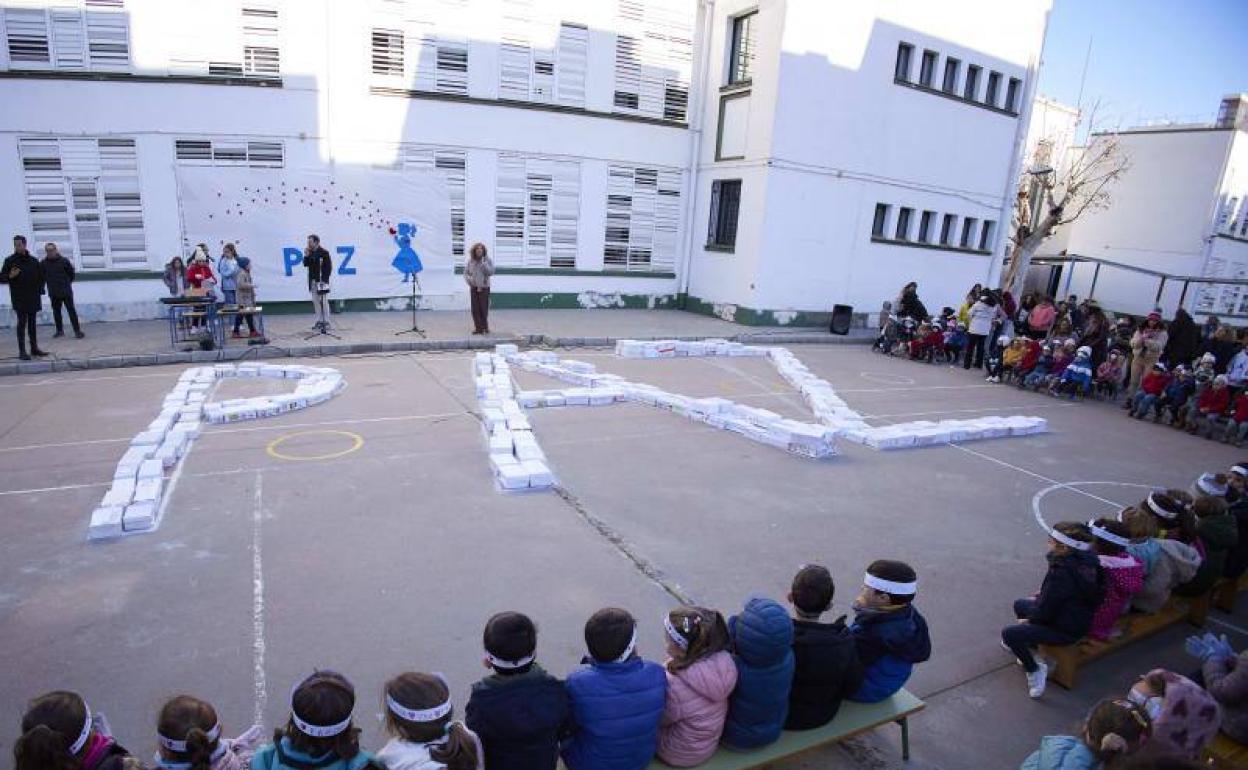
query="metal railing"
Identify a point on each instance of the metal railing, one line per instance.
(1070, 261)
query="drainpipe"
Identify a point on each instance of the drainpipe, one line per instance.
(1006, 215)
(699, 77)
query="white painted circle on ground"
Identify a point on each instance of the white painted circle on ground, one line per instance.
(885, 378)
(1073, 487)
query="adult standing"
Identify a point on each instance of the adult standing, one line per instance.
(58, 276)
(909, 305)
(1211, 325)
(1183, 344)
(320, 267)
(981, 316)
(175, 277)
(245, 293)
(1040, 319)
(1222, 346)
(1009, 308)
(1146, 346)
(477, 274)
(1074, 311)
(1095, 332)
(1025, 306)
(972, 296)
(227, 267)
(21, 272)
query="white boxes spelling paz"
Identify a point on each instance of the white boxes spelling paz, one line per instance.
(133, 502)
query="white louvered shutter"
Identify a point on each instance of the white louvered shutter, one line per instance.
(653, 58)
(27, 38)
(449, 166)
(46, 193)
(69, 42)
(573, 60)
(643, 219)
(509, 211)
(261, 50)
(565, 208)
(108, 35)
(619, 217)
(123, 205)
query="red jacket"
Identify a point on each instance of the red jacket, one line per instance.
(1241, 407)
(197, 273)
(1030, 357)
(1154, 383)
(1214, 400)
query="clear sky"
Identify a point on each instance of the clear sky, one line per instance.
(1151, 59)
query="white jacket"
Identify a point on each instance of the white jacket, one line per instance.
(399, 754)
(1237, 370)
(981, 316)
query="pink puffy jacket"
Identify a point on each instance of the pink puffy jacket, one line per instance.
(697, 704)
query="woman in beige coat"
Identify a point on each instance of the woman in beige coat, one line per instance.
(1146, 346)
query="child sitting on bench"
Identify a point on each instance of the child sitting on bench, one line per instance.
(1167, 563)
(1061, 613)
(1114, 729)
(827, 669)
(762, 642)
(889, 633)
(700, 676)
(1124, 574)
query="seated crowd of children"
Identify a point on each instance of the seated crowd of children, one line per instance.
(738, 683)
(1173, 543)
(1193, 399)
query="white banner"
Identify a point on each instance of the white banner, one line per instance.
(268, 214)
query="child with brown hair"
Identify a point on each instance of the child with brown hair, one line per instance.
(827, 669)
(424, 736)
(59, 732)
(189, 735)
(1114, 729)
(320, 732)
(890, 635)
(1061, 614)
(1217, 533)
(700, 676)
(519, 710)
(1168, 563)
(1124, 574)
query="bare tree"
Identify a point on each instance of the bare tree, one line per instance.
(1049, 198)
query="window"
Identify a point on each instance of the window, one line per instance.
(387, 52)
(968, 231)
(950, 83)
(96, 38)
(531, 69)
(725, 200)
(243, 45)
(1011, 95)
(925, 226)
(994, 85)
(985, 235)
(228, 152)
(971, 87)
(946, 229)
(903, 223)
(83, 195)
(536, 212)
(450, 167)
(881, 220)
(741, 57)
(261, 55)
(653, 58)
(643, 218)
(927, 68)
(902, 69)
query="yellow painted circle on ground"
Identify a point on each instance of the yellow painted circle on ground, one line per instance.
(272, 450)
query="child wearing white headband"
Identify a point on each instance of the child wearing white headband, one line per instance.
(189, 735)
(701, 674)
(1061, 613)
(518, 710)
(419, 717)
(890, 635)
(320, 732)
(1124, 574)
(1167, 562)
(59, 732)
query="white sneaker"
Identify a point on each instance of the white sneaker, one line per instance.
(1037, 679)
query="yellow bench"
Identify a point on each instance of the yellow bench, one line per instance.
(852, 719)
(1134, 626)
(1226, 754)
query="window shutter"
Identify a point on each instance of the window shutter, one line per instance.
(123, 206)
(27, 31)
(228, 152)
(108, 38)
(565, 208)
(537, 212)
(261, 52)
(653, 58)
(265, 154)
(573, 60)
(449, 165)
(643, 218)
(68, 41)
(619, 217)
(45, 192)
(515, 54)
(193, 151)
(388, 52)
(509, 212)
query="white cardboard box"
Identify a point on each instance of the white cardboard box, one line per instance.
(120, 493)
(105, 522)
(148, 491)
(540, 476)
(513, 476)
(138, 517)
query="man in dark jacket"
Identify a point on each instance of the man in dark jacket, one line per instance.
(827, 669)
(21, 272)
(320, 267)
(1061, 613)
(58, 276)
(518, 711)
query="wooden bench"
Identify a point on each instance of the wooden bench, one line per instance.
(851, 720)
(1225, 591)
(1134, 626)
(1226, 754)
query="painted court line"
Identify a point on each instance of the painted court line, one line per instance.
(72, 380)
(257, 604)
(1055, 482)
(40, 490)
(36, 447)
(1231, 626)
(957, 411)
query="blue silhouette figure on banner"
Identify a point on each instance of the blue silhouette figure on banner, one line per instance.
(407, 261)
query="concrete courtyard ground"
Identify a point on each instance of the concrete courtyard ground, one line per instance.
(365, 535)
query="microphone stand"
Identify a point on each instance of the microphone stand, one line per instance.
(415, 329)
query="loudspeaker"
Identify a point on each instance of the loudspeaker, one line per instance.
(842, 319)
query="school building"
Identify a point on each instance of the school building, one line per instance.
(761, 160)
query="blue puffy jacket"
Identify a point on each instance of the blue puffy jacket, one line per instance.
(889, 643)
(281, 756)
(762, 637)
(1061, 752)
(616, 708)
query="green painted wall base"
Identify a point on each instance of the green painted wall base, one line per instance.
(748, 316)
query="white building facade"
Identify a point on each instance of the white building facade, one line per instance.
(761, 161)
(1180, 209)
